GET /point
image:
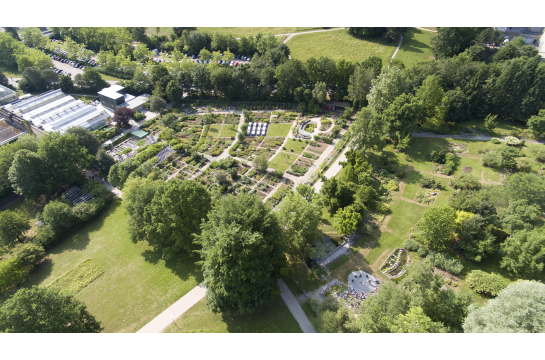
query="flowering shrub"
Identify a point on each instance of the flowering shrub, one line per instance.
(512, 141)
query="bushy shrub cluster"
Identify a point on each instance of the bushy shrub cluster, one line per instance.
(485, 283)
(430, 183)
(466, 182)
(446, 262)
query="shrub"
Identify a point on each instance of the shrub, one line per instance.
(430, 183)
(485, 283)
(446, 262)
(512, 141)
(28, 253)
(422, 251)
(495, 141)
(436, 154)
(45, 237)
(121, 139)
(149, 152)
(400, 173)
(492, 159)
(179, 147)
(12, 272)
(466, 182)
(411, 245)
(138, 116)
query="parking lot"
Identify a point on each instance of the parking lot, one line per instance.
(66, 67)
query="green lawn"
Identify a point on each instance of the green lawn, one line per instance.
(279, 130)
(404, 216)
(110, 78)
(282, 161)
(136, 284)
(228, 130)
(415, 46)
(295, 146)
(213, 131)
(327, 223)
(339, 45)
(273, 317)
(12, 71)
(27, 210)
(253, 31)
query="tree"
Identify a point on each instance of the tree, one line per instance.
(12, 227)
(220, 176)
(337, 194)
(347, 220)
(458, 110)
(524, 253)
(58, 215)
(138, 194)
(436, 228)
(415, 321)
(490, 122)
(368, 131)
(157, 104)
(174, 92)
(319, 93)
(519, 215)
(103, 162)
(85, 138)
(28, 253)
(242, 252)
(46, 310)
(27, 174)
(515, 48)
(122, 115)
(260, 163)
(536, 123)
(90, 81)
(206, 55)
(519, 308)
(359, 85)
(174, 216)
(527, 186)
(66, 84)
(385, 88)
(401, 116)
(306, 191)
(434, 103)
(451, 41)
(300, 220)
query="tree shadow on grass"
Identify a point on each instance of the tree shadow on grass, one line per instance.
(184, 266)
(410, 44)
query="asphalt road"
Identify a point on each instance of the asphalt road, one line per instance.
(72, 70)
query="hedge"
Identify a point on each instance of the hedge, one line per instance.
(233, 148)
(121, 139)
(150, 152)
(201, 141)
(446, 262)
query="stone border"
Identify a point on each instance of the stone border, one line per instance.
(396, 266)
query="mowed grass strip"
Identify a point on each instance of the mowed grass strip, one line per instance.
(228, 130)
(295, 146)
(416, 46)
(273, 317)
(279, 130)
(77, 278)
(253, 31)
(282, 161)
(213, 131)
(339, 45)
(137, 285)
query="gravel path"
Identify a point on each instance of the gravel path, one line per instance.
(295, 308)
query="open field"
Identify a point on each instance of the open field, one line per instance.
(237, 31)
(327, 223)
(339, 45)
(295, 146)
(273, 317)
(279, 130)
(282, 161)
(415, 46)
(213, 131)
(136, 284)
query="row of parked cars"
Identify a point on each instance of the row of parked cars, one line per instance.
(60, 71)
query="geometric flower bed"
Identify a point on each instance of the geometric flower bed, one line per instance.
(393, 266)
(428, 197)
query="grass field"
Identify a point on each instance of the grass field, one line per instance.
(228, 130)
(273, 317)
(294, 146)
(415, 46)
(327, 223)
(282, 161)
(11, 71)
(136, 284)
(237, 31)
(110, 78)
(279, 130)
(213, 131)
(339, 45)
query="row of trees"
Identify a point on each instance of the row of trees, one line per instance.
(14, 53)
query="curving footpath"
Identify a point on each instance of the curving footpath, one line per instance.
(295, 308)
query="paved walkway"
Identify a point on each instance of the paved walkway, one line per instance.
(398, 46)
(163, 320)
(113, 189)
(333, 170)
(343, 249)
(467, 137)
(290, 35)
(295, 308)
(420, 28)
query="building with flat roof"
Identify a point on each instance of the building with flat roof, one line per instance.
(531, 35)
(7, 95)
(8, 133)
(56, 111)
(116, 96)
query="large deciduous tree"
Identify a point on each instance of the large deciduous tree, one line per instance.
(519, 308)
(368, 131)
(46, 310)
(347, 220)
(524, 253)
(360, 85)
(299, 219)
(122, 115)
(174, 216)
(85, 138)
(12, 227)
(242, 251)
(385, 88)
(451, 41)
(436, 228)
(527, 186)
(401, 116)
(28, 175)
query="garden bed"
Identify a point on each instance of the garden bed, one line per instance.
(394, 265)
